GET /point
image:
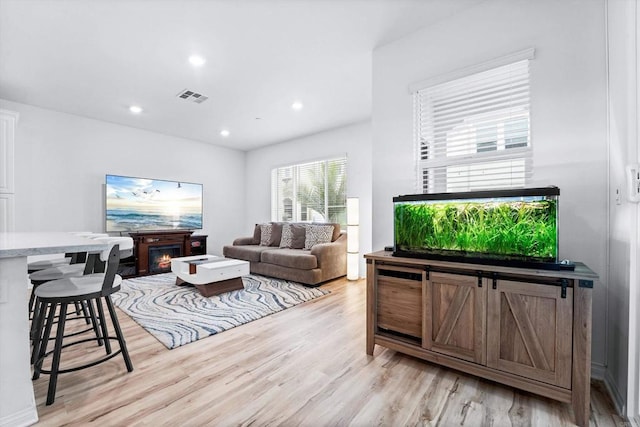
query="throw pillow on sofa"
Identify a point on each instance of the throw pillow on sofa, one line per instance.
(270, 234)
(265, 234)
(293, 236)
(317, 234)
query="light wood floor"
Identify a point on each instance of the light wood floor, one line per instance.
(304, 366)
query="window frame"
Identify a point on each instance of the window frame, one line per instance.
(295, 171)
(431, 174)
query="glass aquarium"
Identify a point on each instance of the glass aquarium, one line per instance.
(517, 227)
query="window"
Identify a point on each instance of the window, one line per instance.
(473, 132)
(313, 192)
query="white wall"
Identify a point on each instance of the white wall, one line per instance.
(568, 114)
(61, 161)
(353, 140)
(622, 139)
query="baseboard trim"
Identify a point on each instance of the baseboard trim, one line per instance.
(23, 418)
(598, 371)
(614, 393)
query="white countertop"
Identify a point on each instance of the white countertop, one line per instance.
(42, 243)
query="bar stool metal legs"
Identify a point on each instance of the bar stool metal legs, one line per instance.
(55, 297)
(41, 345)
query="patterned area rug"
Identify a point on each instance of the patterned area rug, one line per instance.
(178, 315)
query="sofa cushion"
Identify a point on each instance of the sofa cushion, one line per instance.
(318, 234)
(249, 253)
(336, 229)
(293, 236)
(276, 234)
(292, 258)
(299, 234)
(256, 234)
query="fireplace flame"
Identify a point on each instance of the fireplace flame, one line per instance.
(164, 261)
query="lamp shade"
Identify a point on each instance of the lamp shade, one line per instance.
(353, 211)
(353, 238)
(352, 266)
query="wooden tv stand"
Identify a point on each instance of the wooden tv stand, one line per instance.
(526, 328)
(184, 242)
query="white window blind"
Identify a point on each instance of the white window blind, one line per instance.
(313, 192)
(473, 132)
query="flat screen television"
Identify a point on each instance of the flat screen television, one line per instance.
(143, 204)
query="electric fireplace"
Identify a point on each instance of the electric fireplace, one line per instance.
(153, 251)
(160, 257)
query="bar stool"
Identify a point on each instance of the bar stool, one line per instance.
(92, 265)
(88, 289)
(37, 278)
(76, 269)
(83, 311)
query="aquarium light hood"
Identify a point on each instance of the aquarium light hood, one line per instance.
(490, 194)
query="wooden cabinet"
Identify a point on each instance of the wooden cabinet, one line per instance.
(529, 331)
(198, 243)
(173, 243)
(455, 316)
(526, 328)
(146, 245)
(399, 302)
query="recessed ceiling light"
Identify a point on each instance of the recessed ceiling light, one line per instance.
(135, 109)
(196, 60)
(297, 105)
(225, 133)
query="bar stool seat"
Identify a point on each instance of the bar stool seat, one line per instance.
(48, 263)
(55, 296)
(59, 272)
(125, 244)
(75, 286)
(37, 278)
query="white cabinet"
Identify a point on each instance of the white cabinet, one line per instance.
(8, 121)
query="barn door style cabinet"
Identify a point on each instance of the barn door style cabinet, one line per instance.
(530, 329)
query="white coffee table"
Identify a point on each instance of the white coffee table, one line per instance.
(211, 275)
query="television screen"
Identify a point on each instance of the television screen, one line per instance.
(140, 204)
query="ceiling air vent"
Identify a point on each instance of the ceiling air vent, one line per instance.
(192, 96)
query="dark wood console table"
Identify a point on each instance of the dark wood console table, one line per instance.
(153, 250)
(198, 244)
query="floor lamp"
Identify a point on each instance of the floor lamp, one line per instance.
(353, 238)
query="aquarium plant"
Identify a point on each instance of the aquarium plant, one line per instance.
(524, 227)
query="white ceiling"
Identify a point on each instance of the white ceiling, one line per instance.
(96, 58)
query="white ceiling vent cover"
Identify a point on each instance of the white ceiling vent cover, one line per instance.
(192, 96)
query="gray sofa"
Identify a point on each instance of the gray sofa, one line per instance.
(324, 261)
